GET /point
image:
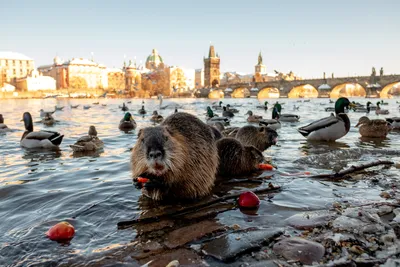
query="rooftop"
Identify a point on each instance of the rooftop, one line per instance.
(13, 55)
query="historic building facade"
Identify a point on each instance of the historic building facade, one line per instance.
(133, 77)
(35, 81)
(77, 73)
(154, 61)
(211, 69)
(13, 66)
(260, 69)
(199, 78)
(116, 78)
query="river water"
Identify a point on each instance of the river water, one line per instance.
(41, 188)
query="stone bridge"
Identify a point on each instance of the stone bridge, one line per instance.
(378, 86)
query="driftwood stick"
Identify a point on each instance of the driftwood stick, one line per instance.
(125, 224)
(353, 169)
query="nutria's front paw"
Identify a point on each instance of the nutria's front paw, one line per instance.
(153, 184)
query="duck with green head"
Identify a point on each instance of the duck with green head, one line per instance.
(265, 106)
(3, 127)
(218, 107)
(379, 110)
(330, 128)
(127, 123)
(39, 139)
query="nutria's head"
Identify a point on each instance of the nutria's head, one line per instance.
(92, 131)
(253, 156)
(270, 135)
(157, 152)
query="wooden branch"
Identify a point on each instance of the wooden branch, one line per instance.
(353, 169)
(168, 215)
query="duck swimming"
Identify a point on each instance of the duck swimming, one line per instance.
(43, 113)
(227, 113)
(379, 110)
(252, 117)
(3, 127)
(76, 106)
(211, 117)
(156, 117)
(124, 108)
(48, 120)
(330, 128)
(233, 110)
(142, 111)
(394, 122)
(373, 128)
(58, 108)
(284, 117)
(218, 107)
(265, 107)
(272, 124)
(40, 139)
(127, 123)
(88, 142)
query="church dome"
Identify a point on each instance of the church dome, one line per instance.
(153, 60)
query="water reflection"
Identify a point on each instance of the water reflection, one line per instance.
(373, 142)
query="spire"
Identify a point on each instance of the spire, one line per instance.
(260, 59)
(211, 53)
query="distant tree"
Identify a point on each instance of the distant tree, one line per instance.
(381, 72)
(77, 82)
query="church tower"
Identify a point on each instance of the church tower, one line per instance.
(260, 69)
(211, 68)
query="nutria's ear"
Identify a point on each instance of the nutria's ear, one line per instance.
(140, 133)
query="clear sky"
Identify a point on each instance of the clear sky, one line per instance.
(308, 37)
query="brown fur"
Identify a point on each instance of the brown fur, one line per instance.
(236, 159)
(189, 160)
(260, 137)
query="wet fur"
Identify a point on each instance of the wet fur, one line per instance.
(260, 137)
(236, 159)
(189, 155)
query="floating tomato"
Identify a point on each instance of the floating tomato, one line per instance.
(249, 200)
(61, 231)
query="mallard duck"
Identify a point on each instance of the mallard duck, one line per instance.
(272, 124)
(252, 117)
(384, 103)
(142, 111)
(86, 107)
(308, 100)
(40, 139)
(394, 122)
(330, 128)
(127, 123)
(3, 127)
(218, 107)
(104, 105)
(284, 117)
(227, 113)
(211, 117)
(88, 142)
(95, 103)
(58, 108)
(124, 108)
(76, 106)
(156, 117)
(361, 108)
(48, 120)
(43, 113)
(379, 110)
(233, 110)
(129, 102)
(265, 106)
(373, 128)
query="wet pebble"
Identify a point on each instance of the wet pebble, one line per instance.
(309, 220)
(181, 236)
(299, 249)
(228, 247)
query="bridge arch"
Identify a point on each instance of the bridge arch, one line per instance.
(385, 90)
(216, 94)
(268, 92)
(305, 90)
(348, 89)
(240, 92)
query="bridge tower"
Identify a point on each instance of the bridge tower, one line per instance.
(211, 68)
(260, 69)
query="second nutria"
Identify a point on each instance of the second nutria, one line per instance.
(237, 159)
(260, 137)
(179, 158)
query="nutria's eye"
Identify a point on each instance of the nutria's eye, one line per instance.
(165, 138)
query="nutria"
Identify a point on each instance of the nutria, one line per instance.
(260, 137)
(179, 157)
(237, 159)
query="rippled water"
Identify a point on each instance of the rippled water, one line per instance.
(41, 188)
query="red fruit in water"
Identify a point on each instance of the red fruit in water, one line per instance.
(61, 231)
(249, 200)
(265, 166)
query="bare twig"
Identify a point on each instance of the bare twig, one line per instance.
(353, 169)
(125, 224)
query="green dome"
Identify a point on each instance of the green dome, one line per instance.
(154, 58)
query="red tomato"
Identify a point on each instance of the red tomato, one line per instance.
(249, 200)
(142, 180)
(264, 166)
(61, 231)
